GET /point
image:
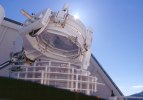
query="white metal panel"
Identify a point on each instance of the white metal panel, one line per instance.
(104, 91)
(7, 37)
(2, 14)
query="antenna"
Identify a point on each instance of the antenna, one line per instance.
(66, 7)
(26, 14)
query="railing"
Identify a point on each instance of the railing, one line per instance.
(58, 74)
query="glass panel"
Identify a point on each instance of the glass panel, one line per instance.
(60, 43)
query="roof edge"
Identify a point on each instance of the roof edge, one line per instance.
(13, 21)
(107, 76)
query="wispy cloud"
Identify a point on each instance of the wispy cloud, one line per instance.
(129, 90)
(137, 87)
(121, 87)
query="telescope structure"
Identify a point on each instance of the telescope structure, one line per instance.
(53, 48)
(56, 51)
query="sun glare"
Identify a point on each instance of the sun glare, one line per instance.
(76, 16)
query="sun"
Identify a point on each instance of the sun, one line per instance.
(76, 16)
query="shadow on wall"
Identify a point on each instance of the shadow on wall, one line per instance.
(13, 89)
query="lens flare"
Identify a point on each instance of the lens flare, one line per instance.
(76, 16)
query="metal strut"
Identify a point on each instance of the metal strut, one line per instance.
(14, 58)
(20, 56)
(5, 64)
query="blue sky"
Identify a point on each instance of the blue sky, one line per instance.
(118, 33)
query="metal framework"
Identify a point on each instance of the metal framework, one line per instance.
(58, 74)
(58, 48)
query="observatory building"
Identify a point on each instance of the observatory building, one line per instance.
(53, 48)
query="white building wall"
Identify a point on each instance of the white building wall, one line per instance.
(7, 36)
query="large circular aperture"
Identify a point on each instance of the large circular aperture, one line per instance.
(59, 44)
